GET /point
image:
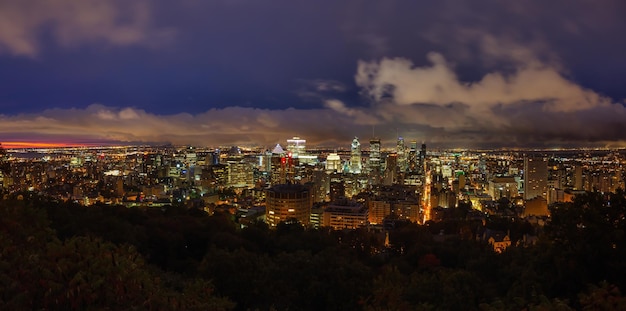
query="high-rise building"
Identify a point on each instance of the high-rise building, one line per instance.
(412, 157)
(220, 171)
(288, 202)
(297, 146)
(374, 158)
(279, 165)
(355, 157)
(535, 177)
(333, 163)
(422, 158)
(265, 161)
(374, 162)
(240, 174)
(402, 155)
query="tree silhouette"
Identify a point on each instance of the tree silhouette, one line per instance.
(40, 272)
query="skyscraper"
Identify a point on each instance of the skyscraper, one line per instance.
(422, 158)
(402, 155)
(535, 177)
(333, 163)
(412, 158)
(374, 159)
(296, 146)
(355, 156)
(240, 174)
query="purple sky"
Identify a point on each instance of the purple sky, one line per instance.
(207, 72)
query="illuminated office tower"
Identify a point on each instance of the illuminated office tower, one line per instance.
(216, 176)
(402, 155)
(412, 158)
(422, 158)
(265, 161)
(296, 146)
(535, 177)
(288, 202)
(374, 161)
(355, 156)
(333, 163)
(240, 174)
(278, 165)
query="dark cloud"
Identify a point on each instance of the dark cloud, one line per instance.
(449, 72)
(71, 22)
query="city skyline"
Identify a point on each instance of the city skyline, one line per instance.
(450, 74)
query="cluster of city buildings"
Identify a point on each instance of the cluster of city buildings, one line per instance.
(363, 185)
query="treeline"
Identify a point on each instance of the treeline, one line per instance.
(63, 256)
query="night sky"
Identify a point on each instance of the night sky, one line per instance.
(450, 73)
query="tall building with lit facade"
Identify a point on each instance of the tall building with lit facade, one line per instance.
(422, 158)
(287, 202)
(297, 146)
(282, 166)
(402, 155)
(333, 163)
(535, 177)
(214, 178)
(355, 157)
(240, 174)
(374, 161)
(374, 158)
(413, 158)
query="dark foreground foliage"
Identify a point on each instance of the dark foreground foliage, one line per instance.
(62, 256)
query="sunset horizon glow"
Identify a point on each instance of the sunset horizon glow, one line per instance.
(43, 145)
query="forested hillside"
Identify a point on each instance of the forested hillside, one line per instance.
(63, 256)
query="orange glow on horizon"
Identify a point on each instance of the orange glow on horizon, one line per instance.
(38, 145)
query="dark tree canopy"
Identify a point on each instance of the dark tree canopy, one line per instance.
(60, 255)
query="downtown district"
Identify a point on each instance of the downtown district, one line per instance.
(361, 185)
